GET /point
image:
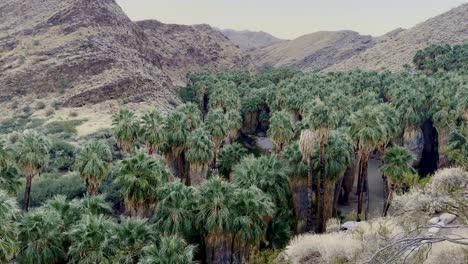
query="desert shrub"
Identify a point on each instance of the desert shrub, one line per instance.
(56, 104)
(27, 109)
(63, 84)
(57, 127)
(268, 256)
(49, 111)
(49, 185)
(73, 114)
(189, 95)
(13, 137)
(62, 156)
(14, 104)
(172, 102)
(20, 123)
(40, 105)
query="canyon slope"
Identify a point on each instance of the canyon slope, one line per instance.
(250, 40)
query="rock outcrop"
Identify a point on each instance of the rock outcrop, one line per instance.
(250, 40)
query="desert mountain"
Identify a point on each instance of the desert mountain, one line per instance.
(86, 51)
(249, 40)
(398, 47)
(314, 51)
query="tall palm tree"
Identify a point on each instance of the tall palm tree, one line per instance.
(322, 118)
(175, 212)
(252, 207)
(8, 227)
(307, 143)
(193, 114)
(228, 157)
(93, 240)
(215, 124)
(216, 216)
(281, 130)
(199, 155)
(93, 164)
(398, 162)
(126, 129)
(140, 177)
(133, 235)
(152, 130)
(94, 205)
(32, 156)
(233, 124)
(338, 157)
(269, 175)
(41, 237)
(367, 133)
(171, 249)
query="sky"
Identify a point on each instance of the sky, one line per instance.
(289, 19)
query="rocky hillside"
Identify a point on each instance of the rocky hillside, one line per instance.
(86, 52)
(250, 40)
(398, 47)
(192, 48)
(315, 51)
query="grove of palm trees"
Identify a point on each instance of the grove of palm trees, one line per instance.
(192, 186)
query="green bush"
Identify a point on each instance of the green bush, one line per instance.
(19, 123)
(62, 156)
(188, 95)
(49, 111)
(49, 185)
(40, 105)
(57, 127)
(56, 104)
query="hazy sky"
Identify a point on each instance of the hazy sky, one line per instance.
(291, 18)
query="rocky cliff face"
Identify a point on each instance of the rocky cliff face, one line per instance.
(398, 47)
(313, 52)
(87, 51)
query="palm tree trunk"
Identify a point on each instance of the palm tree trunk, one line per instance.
(310, 183)
(197, 174)
(361, 179)
(321, 191)
(336, 196)
(27, 192)
(299, 191)
(328, 201)
(388, 201)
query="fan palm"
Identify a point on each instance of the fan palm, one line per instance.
(281, 130)
(228, 157)
(233, 124)
(41, 237)
(321, 117)
(133, 234)
(32, 157)
(193, 114)
(140, 178)
(93, 164)
(93, 205)
(4, 156)
(93, 240)
(307, 143)
(152, 130)
(398, 162)
(199, 154)
(175, 212)
(367, 133)
(215, 124)
(216, 214)
(68, 211)
(171, 249)
(126, 129)
(8, 227)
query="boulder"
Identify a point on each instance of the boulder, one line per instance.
(447, 218)
(433, 220)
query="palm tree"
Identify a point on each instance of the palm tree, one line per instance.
(233, 124)
(8, 227)
(398, 162)
(307, 143)
(215, 124)
(133, 234)
(215, 217)
(367, 133)
(252, 207)
(94, 205)
(193, 114)
(126, 128)
(281, 130)
(228, 157)
(93, 240)
(140, 178)
(41, 237)
(269, 175)
(199, 154)
(177, 132)
(93, 164)
(32, 157)
(175, 212)
(338, 156)
(152, 130)
(171, 249)
(321, 117)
